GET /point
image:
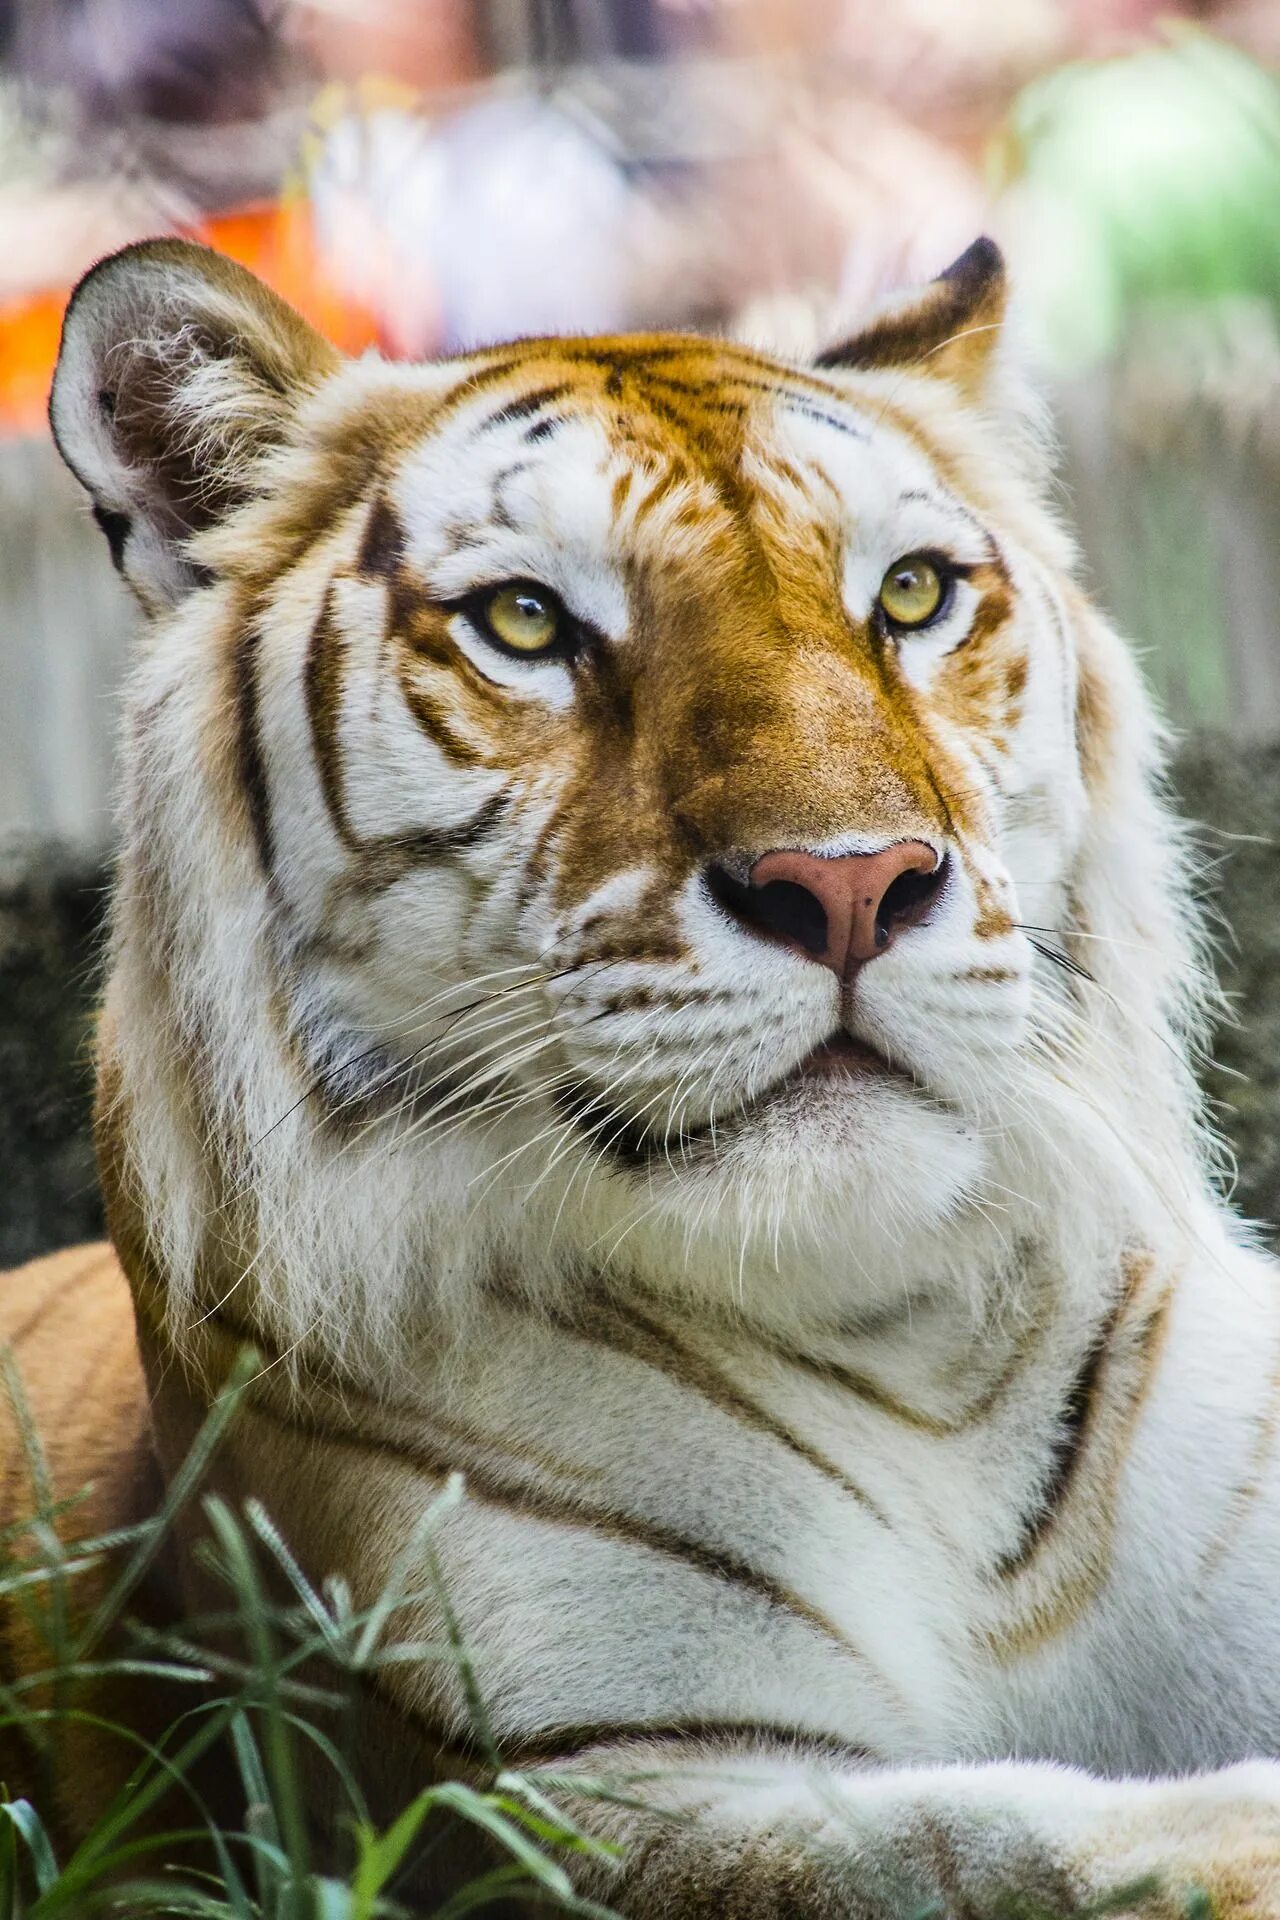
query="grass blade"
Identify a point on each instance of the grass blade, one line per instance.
(280, 1762)
(414, 1549)
(21, 1816)
(177, 1493)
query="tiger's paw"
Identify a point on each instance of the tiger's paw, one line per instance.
(1204, 1848)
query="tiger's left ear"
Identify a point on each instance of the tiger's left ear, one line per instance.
(947, 330)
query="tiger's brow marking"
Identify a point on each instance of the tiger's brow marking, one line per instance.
(523, 407)
(948, 503)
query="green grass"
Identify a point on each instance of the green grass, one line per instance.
(271, 1675)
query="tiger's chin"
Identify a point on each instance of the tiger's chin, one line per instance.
(830, 1193)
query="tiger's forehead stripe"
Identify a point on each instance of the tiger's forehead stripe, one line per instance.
(694, 386)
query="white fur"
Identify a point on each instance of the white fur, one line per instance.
(912, 1234)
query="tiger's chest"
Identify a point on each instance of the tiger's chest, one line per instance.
(656, 1534)
(653, 1534)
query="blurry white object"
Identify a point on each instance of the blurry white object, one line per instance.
(531, 227)
(503, 218)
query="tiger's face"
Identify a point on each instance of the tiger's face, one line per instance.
(658, 757)
(723, 706)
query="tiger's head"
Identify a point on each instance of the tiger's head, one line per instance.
(609, 804)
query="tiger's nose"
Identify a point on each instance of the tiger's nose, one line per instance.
(841, 911)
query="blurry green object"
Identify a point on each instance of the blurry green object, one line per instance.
(1143, 206)
(1160, 173)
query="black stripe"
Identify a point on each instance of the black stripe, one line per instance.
(382, 544)
(513, 1496)
(701, 348)
(826, 419)
(253, 779)
(389, 857)
(622, 1138)
(524, 407)
(711, 394)
(386, 857)
(568, 1742)
(864, 1387)
(323, 682)
(707, 396)
(1065, 1455)
(659, 1348)
(351, 1084)
(116, 528)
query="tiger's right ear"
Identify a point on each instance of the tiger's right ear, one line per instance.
(177, 371)
(947, 330)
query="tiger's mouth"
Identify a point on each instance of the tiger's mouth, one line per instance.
(843, 1056)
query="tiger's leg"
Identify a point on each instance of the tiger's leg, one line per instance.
(753, 1833)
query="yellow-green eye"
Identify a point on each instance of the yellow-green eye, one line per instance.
(912, 591)
(523, 617)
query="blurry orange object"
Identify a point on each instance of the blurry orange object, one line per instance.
(29, 333)
(275, 242)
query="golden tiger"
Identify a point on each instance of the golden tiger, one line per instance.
(650, 966)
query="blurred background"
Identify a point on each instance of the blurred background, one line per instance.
(421, 175)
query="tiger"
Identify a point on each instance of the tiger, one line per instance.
(653, 968)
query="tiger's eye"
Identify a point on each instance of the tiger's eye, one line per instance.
(523, 618)
(912, 591)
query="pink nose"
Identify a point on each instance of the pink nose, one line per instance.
(843, 911)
